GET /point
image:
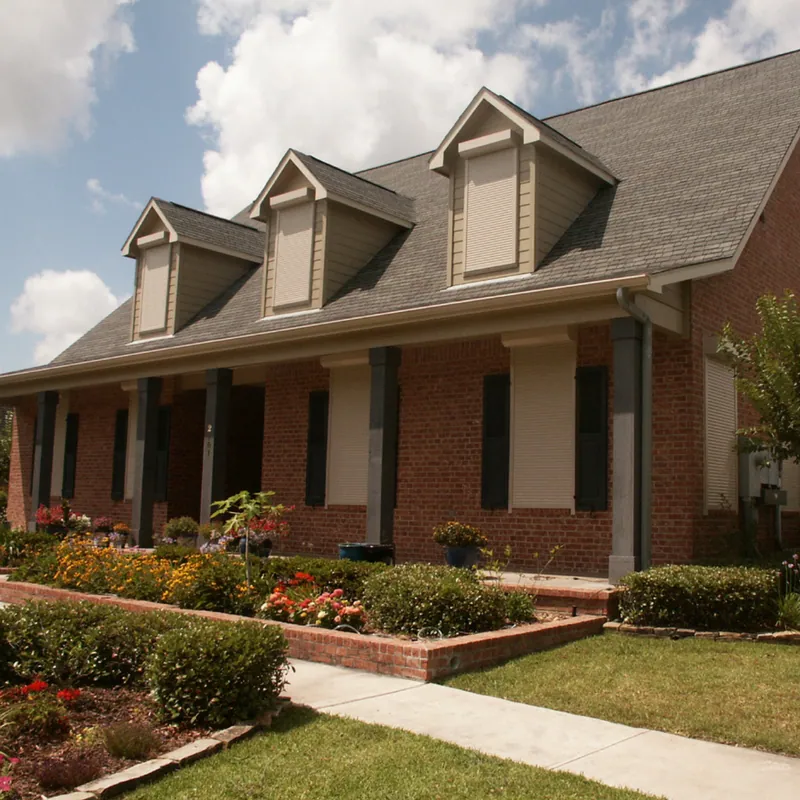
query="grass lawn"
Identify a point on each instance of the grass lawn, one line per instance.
(737, 692)
(308, 756)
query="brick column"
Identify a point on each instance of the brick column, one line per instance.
(382, 475)
(144, 467)
(47, 402)
(626, 335)
(215, 439)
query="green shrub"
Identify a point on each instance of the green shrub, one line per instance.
(132, 740)
(40, 569)
(174, 553)
(705, 598)
(17, 546)
(349, 576)
(82, 644)
(417, 597)
(181, 528)
(71, 769)
(459, 534)
(520, 607)
(217, 673)
(789, 612)
(210, 582)
(3, 505)
(39, 715)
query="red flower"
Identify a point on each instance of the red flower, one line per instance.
(36, 686)
(68, 695)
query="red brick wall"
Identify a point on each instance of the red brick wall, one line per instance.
(19, 479)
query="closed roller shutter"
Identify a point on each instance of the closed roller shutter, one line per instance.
(491, 211)
(348, 454)
(155, 289)
(294, 250)
(721, 458)
(543, 439)
(790, 481)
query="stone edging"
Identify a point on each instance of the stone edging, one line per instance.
(779, 637)
(146, 771)
(419, 660)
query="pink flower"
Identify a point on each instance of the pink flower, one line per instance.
(338, 592)
(5, 783)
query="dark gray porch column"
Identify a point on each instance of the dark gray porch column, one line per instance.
(381, 479)
(144, 469)
(626, 334)
(215, 439)
(47, 402)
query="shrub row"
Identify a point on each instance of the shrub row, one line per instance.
(199, 671)
(703, 598)
(18, 546)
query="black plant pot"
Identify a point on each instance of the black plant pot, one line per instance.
(464, 557)
(261, 550)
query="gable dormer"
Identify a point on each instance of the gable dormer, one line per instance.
(184, 259)
(323, 226)
(516, 185)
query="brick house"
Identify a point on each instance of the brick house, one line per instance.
(516, 330)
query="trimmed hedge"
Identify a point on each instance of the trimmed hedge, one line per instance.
(329, 575)
(217, 673)
(17, 546)
(703, 598)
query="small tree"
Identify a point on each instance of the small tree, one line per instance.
(767, 366)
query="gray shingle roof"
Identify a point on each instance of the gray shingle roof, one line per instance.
(358, 188)
(694, 162)
(238, 235)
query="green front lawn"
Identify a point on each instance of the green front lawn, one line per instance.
(736, 692)
(307, 756)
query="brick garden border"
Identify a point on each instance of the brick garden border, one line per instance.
(572, 600)
(778, 637)
(419, 660)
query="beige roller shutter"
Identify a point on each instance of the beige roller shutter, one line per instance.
(155, 289)
(130, 452)
(721, 458)
(348, 448)
(491, 210)
(293, 253)
(543, 426)
(59, 444)
(790, 481)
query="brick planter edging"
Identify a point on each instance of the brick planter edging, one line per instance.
(419, 660)
(578, 599)
(778, 637)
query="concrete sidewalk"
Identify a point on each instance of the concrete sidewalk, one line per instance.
(658, 763)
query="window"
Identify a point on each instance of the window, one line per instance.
(120, 456)
(162, 453)
(155, 289)
(130, 459)
(721, 460)
(70, 457)
(491, 211)
(33, 454)
(59, 444)
(494, 461)
(591, 440)
(543, 425)
(348, 455)
(294, 248)
(317, 448)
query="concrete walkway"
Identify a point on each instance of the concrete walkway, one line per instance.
(657, 763)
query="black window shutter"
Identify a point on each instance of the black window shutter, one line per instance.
(33, 454)
(120, 455)
(162, 452)
(70, 457)
(317, 448)
(397, 448)
(496, 417)
(591, 439)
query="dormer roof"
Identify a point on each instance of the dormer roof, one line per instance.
(344, 187)
(190, 226)
(531, 130)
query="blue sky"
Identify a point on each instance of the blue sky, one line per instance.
(95, 99)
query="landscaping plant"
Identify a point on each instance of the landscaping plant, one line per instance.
(210, 582)
(132, 740)
(217, 673)
(74, 768)
(458, 534)
(180, 530)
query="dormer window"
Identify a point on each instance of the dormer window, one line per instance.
(155, 288)
(491, 217)
(294, 252)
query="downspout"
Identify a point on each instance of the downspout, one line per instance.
(626, 304)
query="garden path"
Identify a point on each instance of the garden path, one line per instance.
(663, 764)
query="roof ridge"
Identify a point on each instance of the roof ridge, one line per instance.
(395, 161)
(207, 214)
(355, 175)
(671, 85)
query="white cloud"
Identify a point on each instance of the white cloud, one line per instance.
(49, 54)
(59, 307)
(749, 30)
(355, 82)
(101, 198)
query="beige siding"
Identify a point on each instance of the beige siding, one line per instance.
(59, 444)
(353, 239)
(562, 192)
(720, 419)
(316, 262)
(202, 276)
(171, 298)
(543, 426)
(348, 446)
(790, 481)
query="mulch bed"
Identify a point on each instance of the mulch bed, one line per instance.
(94, 709)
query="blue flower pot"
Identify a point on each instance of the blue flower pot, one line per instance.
(463, 557)
(363, 551)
